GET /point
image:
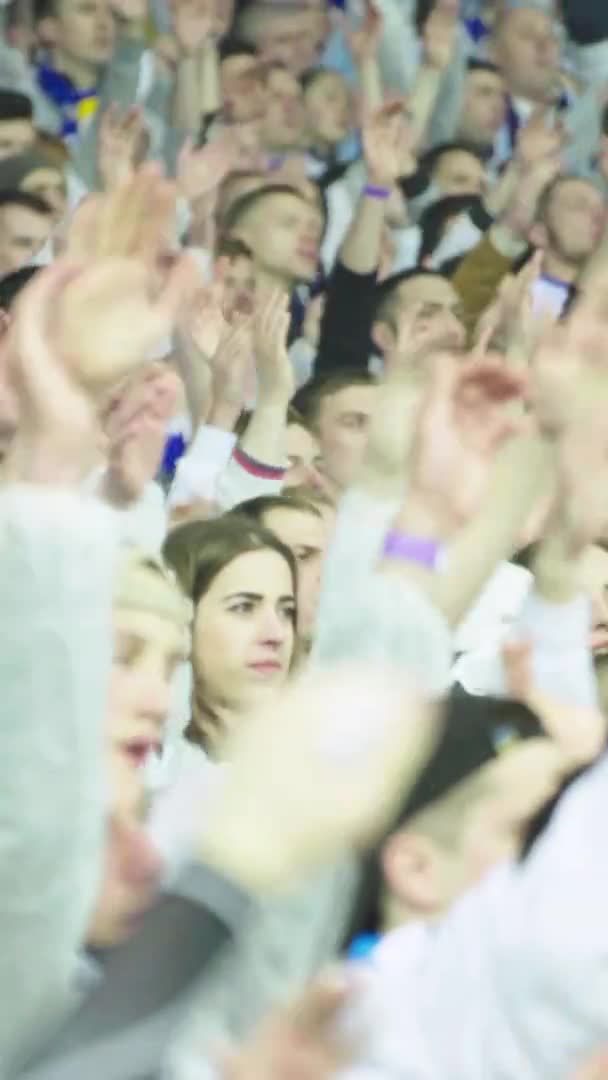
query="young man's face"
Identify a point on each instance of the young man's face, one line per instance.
(344, 421)
(328, 106)
(243, 88)
(459, 173)
(484, 107)
(439, 308)
(305, 460)
(426, 876)
(22, 234)
(83, 30)
(284, 118)
(284, 233)
(15, 137)
(305, 534)
(527, 51)
(574, 220)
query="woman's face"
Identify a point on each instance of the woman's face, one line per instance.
(148, 650)
(328, 106)
(244, 630)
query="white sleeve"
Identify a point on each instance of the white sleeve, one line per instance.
(562, 662)
(243, 478)
(364, 614)
(58, 552)
(198, 470)
(513, 985)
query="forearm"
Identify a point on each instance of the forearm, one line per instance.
(360, 252)
(370, 83)
(209, 80)
(265, 437)
(522, 472)
(347, 322)
(186, 109)
(422, 102)
(501, 194)
(384, 471)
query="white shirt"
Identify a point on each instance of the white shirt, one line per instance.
(513, 985)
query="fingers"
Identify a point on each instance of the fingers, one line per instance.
(318, 1007)
(516, 658)
(492, 380)
(179, 288)
(30, 338)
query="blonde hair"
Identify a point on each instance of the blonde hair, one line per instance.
(144, 583)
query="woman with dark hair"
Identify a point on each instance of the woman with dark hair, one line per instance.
(242, 581)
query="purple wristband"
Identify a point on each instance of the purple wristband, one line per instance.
(376, 192)
(412, 549)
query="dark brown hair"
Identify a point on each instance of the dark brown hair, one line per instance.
(199, 550)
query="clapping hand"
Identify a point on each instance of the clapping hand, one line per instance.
(136, 427)
(270, 327)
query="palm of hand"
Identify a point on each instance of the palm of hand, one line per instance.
(108, 323)
(231, 366)
(193, 23)
(202, 171)
(137, 429)
(463, 424)
(136, 460)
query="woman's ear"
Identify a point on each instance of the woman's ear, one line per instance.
(410, 863)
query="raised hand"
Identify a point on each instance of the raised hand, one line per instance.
(135, 220)
(136, 428)
(464, 420)
(362, 734)
(510, 324)
(201, 171)
(110, 318)
(270, 328)
(387, 145)
(440, 34)
(539, 140)
(193, 24)
(57, 435)
(121, 145)
(521, 212)
(364, 39)
(579, 731)
(206, 320)
(233, 369)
